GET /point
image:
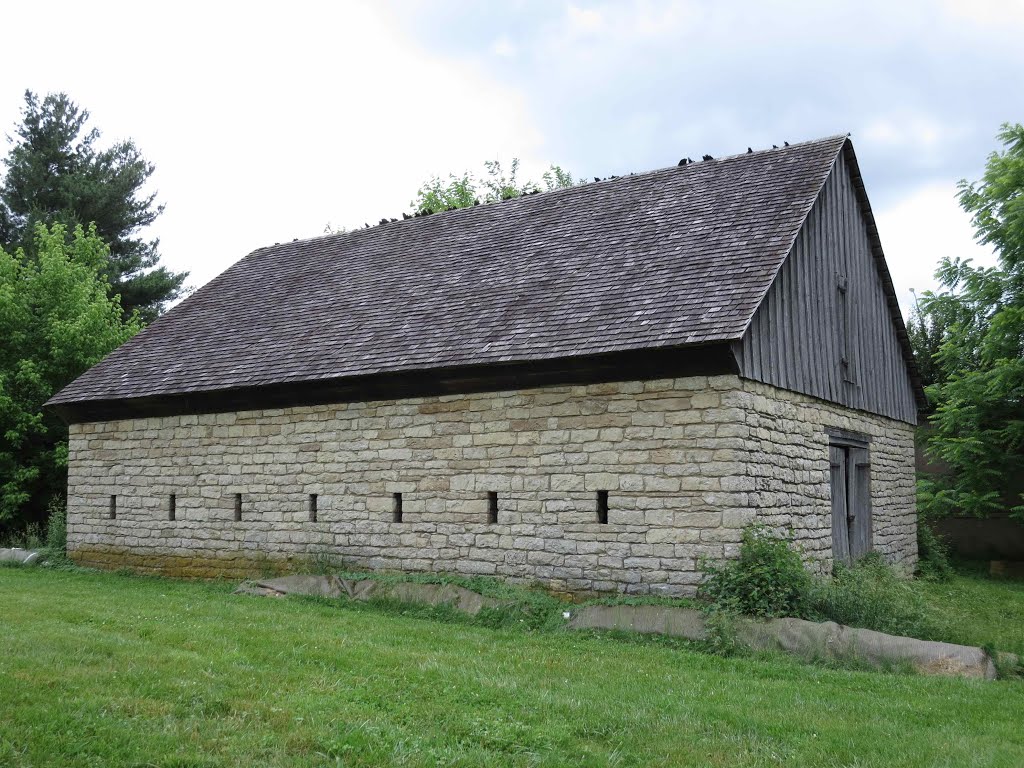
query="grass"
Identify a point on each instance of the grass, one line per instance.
(104, 669)
(974, 609)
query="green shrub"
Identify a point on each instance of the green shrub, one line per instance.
(768, 578)
(870, 595)
(933, 561)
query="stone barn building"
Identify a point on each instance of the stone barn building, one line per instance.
(592, 388)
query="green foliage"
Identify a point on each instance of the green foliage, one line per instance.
(871, 596)
(438, 195)
(722, 639)
(768, 578)
(973, 334)
(56, 321)
(466, 190)
(57, 173)
(933, 561)
(926, 332)
(57, 529)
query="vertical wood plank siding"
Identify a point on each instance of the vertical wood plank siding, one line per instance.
(795, 339)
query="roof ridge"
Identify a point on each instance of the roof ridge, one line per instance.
(544, 192)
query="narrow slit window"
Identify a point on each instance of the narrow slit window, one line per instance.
(492, 507)
(112, 514)
(396, 507)
(602, 507)
(238, 507)
(312, 507)
(172, 507)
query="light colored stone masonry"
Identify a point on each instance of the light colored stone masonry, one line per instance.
(687, 463)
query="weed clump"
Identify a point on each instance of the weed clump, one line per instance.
(768, 579)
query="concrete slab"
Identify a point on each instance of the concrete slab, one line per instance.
(647, 619)
(18, 555)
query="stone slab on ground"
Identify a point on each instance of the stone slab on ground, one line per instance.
(797, 637)
(829, 640)
(647, 619)
(460, 598)
(457, 597)
(18, 555)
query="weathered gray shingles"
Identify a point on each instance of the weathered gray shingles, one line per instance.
(677, 256)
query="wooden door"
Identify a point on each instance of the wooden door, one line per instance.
(840, 505)
(859, 479)
(851, 502)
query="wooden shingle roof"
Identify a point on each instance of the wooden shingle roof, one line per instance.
(679, 256)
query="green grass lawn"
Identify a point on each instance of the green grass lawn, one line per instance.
(974, 609)
(103, 669)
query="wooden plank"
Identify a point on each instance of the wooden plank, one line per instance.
(861, 534)
(840, 529)
(795, 340)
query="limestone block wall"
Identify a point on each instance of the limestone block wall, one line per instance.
(686, 463)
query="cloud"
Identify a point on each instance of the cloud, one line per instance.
(988, 13)
(266, 125)
(504, 48)
(918, 231)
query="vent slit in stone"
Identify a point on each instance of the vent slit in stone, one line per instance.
(113, 507)
(238, 507)
(312, 507)
(396, 507)
(602, 507)
(492, 507)
(172, 507)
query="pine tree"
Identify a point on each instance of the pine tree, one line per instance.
(57, 174)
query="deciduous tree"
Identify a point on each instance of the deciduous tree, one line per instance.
(466, 190)
(978, 396)
(56, 320)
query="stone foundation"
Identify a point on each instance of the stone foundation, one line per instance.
(686, 464)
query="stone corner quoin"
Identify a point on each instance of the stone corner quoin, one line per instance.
(505, 484)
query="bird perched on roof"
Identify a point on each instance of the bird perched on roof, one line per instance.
(383, 221)
(684, 161)
(406, 216)
(708, 157)
(785, 143)
(750, 151)
(775, 146)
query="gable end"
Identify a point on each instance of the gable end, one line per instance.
(829, 325)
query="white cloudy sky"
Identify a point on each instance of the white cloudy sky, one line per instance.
(266, 121)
